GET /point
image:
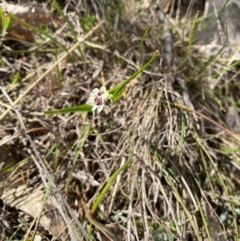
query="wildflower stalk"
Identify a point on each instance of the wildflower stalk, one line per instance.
(115, 92)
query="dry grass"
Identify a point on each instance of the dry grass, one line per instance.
(162, 165)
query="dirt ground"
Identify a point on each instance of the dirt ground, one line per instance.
(162, 163)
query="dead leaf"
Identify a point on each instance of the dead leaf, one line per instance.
(33, 16)
(30, 201)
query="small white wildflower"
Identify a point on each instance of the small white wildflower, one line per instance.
(99, 98)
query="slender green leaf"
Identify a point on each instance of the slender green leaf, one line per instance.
(77, 108)
(116, 91)
(109, 183)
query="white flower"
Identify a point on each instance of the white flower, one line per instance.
(99, 98)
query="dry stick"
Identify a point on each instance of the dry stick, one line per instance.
(219, 25)
(130, 208)
(168, 41)
(144, 211)
(49, 70)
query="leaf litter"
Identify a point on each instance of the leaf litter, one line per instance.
(184, 168)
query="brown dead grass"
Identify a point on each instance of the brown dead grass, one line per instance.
(184, 170)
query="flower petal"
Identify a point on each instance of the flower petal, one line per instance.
(103, 89)
(95, 91)
(90, 103)
(94, 107)
(100, 108)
